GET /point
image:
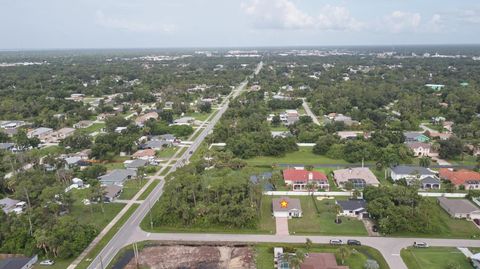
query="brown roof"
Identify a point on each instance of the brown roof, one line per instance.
(144, 153)
(321, 261)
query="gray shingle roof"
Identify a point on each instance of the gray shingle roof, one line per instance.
(412, 170)
(292, 203)
(457, 206)
(430, 180)
(117, 176)
(14, 263)
(136, 163)
(352, 204)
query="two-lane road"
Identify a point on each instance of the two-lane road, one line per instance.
(132, 224)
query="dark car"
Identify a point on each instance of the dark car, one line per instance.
(477, 221)
(191, 152)
(375, 228)
(353, 242)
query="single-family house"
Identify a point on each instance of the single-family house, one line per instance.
(419, 149)
(145, 154)
(337, 117)
(463, 177)
(63, 133)
(165, 137)
(168, 105)
(286, 207)
(441, 136)
(435, 87)
(83, 124)
(117, 176)
(42, 133)
(184, 121)
(415, 137)
(12, 206)
(359, 177)
(356, 208)
(135, 164)
(352, 135)
(300, 179)
(459, 208)
(140, 120)
(156, 144)
(18, 262)
(112, 192)
(410, 172)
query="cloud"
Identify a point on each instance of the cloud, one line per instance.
(130, 25)
(284, 14)
(435, 24)
(471, 16)
(400, 21)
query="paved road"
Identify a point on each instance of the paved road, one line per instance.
(309, 112)
(389, 246)
(132, 224)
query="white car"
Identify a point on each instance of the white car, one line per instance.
(47, 262)
(420, 245)
(336, 242)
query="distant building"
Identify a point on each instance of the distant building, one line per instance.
(41, 133)
(415, 137)
(112, 192)
(12, 206)
(419, 149)
(140, 120)
(436, 87)
(463, 177)
(286, 207)
(83, 124)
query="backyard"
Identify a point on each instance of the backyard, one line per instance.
(303, 156)
(323, 223)
(434, 258)
(131, 187)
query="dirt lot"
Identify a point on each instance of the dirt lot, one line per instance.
(198, 257)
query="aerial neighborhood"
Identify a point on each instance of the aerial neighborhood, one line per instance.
(242, 158)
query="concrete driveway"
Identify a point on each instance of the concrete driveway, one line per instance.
(281, 225)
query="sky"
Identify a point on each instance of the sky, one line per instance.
(50, 24)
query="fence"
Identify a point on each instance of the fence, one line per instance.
(305, 193)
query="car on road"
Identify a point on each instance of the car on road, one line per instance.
(191, 152)
(420, 245)
(336, 242)
(47, 262)
(353, 242)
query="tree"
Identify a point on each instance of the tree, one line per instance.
(308, 244)
(425, 161)
(77, 141)
(276, 121)
(205, 107)
(338, 210)
(296, 259)
(450, 148)
(344, 252)
(324, 143)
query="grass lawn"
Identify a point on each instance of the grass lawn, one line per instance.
(131, 187)
(198, 116)
(360, 254)
(55, 150)
(323, 223)
(94, 252)
(467, 160)
(148, 190)
(266, 224)
(434, 258)
(96, 127)
(303, 156)
(166, 153)
(280, 128)
(450, 227)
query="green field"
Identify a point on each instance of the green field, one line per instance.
(96, 127)
(266, 224)
(323, 223)
(167, 152)
(148, 190)
(360, 254)
(303, 156)
(198, 116)
(434, 258)
(131, 187)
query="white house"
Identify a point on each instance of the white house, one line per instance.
(410, 172)
(355, 208)
(419, 149)
(286, 207)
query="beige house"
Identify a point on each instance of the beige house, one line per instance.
(358, 176)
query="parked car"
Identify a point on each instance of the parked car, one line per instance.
(353, 242)
(336, 242)
(477, 221)
(47, 262)
(375, 228)
(420, 245)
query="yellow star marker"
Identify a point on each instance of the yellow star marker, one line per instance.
(284, 204)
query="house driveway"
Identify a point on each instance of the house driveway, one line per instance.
(281, 225)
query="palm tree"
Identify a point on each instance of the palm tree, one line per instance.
(344, 253)
(338, 210)
(295, 260)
